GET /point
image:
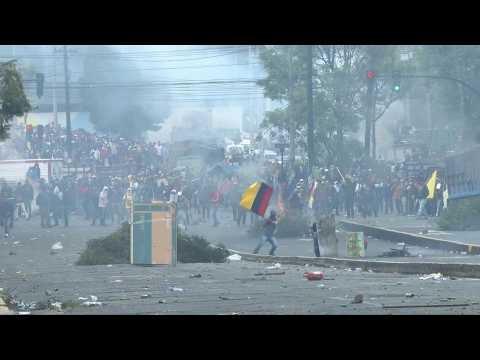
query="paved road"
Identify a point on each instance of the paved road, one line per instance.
(33, 274)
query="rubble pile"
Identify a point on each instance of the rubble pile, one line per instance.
(115, 249)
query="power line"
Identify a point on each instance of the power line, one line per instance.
(149, 53)
(160, 69)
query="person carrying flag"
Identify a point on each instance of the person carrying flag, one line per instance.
(269, 227)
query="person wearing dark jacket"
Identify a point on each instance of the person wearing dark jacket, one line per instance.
(43, 202)
(269, 228)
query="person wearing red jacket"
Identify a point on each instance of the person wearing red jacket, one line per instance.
(215, 199)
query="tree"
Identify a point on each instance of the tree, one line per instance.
(13, 101)
(117, 109)
(339, 75)
(285, 80)
(459, 103)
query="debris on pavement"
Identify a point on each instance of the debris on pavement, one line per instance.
(172, 288)
(403, 252)
(195, 276)
(275, 266)
(435, 276)
(313, 275)
(57, 246)
(358, 299)
(229, 298)
(269, 273)
(56, 306)
(93, 301)
(448, 299)
(234, 257)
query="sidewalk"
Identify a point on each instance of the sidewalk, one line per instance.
(411, 225)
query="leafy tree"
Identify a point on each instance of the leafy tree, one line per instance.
(13, 101)
(339, 93)
(459, 103)
(285, 83)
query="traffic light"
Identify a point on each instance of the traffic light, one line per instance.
(396, 81)
(371, 75)
(40, 80)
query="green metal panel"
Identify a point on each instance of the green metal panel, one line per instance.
(142, 235)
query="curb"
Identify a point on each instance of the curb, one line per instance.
(446, 269)
(411, 239)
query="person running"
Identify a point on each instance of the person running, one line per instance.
(269, 227)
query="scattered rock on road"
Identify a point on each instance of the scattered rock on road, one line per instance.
(358, 299)
(57, 246)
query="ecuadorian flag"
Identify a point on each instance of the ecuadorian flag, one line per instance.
(256, 198)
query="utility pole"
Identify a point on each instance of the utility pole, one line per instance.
(374, 122)
(292, 129)
(369, 114)
(55, 110)
(67, 103)
(310, 144)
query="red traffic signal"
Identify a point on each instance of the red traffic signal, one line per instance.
(371, 74)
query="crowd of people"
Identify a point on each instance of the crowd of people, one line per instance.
(91, 149)
(102, 198)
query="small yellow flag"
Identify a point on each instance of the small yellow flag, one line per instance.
(431, 185)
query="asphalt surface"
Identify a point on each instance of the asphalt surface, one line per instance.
(32, 273)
